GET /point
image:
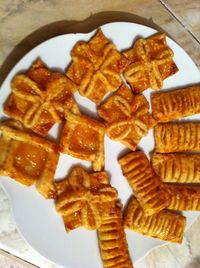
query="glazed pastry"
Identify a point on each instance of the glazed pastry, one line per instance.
(39, 98)
(112, 240)
(83, 137)
(165, 225)
(82, 198)
(176, 104)
(144, 182)
(180, 168)
(28, 158)
(151, 62)
(96, 67)
(183, 197)
(127, 117)
(177, 137)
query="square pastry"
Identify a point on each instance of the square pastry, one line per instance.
(39, 98)
(96, 67)
(83, 137)
(28, 158)
(83, 197)
(151, 62)
(127, 117)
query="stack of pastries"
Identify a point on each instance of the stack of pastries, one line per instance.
(41, 97)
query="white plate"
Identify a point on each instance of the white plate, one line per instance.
(36, 217)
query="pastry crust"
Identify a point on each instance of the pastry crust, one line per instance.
(83, 137)
(146, 185)
(177, 137)
(82, 198)
(39, 98)
(112, 240)
(176, 104)
(180, 168)
(151, 62)
(164, 225)
(96, 67)
(28, 158)
(127, 117)
(183, 197)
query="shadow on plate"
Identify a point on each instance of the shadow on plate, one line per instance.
(63, 27)
(194, 264)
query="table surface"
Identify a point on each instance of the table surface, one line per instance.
(26, 23)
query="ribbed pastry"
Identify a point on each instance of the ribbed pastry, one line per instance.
(183, 197)
(28, 158)
(177, 137)
(144, 182)
(176, 104)
(165, 225)
(180, 168)
(83, 137)
(82, 198)
(151, 62)
(127, 117)
(112, 240)
(96, 67)
(39, 98)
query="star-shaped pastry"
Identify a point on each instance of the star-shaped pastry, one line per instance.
(83, 198)
(151, 62)
(127, 116)
(39, 98)
(96, 67)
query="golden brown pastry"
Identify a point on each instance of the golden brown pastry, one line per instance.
(165, 225)
(176, 104)
(151, 62)
(112, 240)
(180, 168)
(82, 198)
(28, 158)
(39, 98)
(96, 67)
(83, 137)
(144, 182)
(127, 117)
(177, 137)
(183, 197)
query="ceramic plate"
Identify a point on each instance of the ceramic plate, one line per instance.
(35, 217)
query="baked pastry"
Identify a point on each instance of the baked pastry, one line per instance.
(183, 197)
(165, 225)
(82, 198)
(180, 168)
(177, 137)
(144, 182)
(39, 98)
(96, 67)
(151, 62)
(112, 240)
(127, 117)
(28, 158)
(83, 137)
(176, 104)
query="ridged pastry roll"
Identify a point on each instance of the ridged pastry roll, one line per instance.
(164, 225)
(180, 168)
(177, 137)
(112, 241)
(176, 104)
(146, 185)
